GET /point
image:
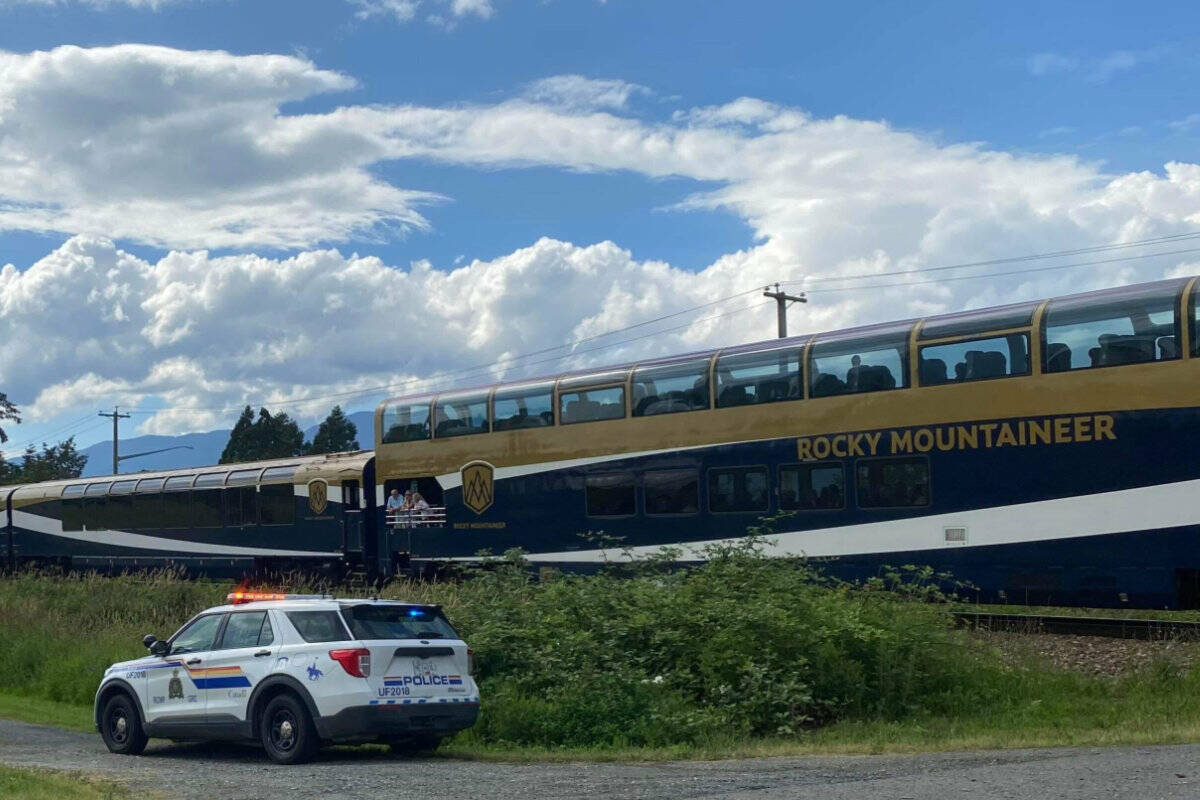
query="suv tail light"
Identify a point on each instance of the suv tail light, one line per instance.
(356, 662)
(470, 662)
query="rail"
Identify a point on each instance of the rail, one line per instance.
(1108, 627)
(432, 517)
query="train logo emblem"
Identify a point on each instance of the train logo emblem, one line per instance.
(318, 496)
(477, 488)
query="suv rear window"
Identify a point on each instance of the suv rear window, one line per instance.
(397, 622)
(318, 626)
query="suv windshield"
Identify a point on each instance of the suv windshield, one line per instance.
(397, 622)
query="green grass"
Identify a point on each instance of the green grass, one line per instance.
(743, 656)
(1070, 611)
(46, 712)
(36, 784)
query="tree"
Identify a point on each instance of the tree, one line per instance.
(7, 411)
(336, 434)
(269, 436)
(53, 463)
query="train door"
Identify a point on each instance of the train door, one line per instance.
(352, 519)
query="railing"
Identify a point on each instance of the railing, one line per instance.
(434, 516)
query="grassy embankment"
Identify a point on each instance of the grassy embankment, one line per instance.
(37, 784)
(743, 656)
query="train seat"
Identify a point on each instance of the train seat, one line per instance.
(1058, 357)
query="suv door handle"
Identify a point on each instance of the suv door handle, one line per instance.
(262, 653)
(191, 661)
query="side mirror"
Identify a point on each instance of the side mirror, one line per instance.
(148, 640)
(160, 648)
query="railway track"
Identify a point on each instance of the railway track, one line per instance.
(1145, 629)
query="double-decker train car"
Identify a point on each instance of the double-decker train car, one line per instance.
(1045, 452)
(309, 513)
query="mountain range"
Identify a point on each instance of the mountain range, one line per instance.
(204, 449)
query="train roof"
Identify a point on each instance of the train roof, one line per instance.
(1011, 315)
(329, 465)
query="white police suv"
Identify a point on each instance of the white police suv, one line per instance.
(293, 672)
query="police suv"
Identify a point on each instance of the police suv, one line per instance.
(293, 672)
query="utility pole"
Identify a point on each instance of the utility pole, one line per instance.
(116, 416)
(782, 299)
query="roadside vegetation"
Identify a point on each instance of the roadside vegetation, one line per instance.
(745, 655)
(38, 784)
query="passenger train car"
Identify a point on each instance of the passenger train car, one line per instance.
(308, 513)
(1046, 452)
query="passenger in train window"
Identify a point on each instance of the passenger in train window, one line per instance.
(394, 502)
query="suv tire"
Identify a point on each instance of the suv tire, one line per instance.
(121, 726)
(287, 731)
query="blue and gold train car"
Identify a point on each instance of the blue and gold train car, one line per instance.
(1045, 452)
(309, 513)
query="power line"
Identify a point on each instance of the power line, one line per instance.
(1049, 268)
(505, 362)
(1013, 259)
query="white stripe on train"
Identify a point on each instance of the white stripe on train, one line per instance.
(1169, 505)
(138, 541)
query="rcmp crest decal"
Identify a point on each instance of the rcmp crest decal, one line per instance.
(318, 496)
(477, 486)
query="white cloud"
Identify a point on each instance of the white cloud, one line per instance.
(1098, 69)
(185, 148)
(824, 197)
(152, 5)
(446, 12)
(577, 91)
(1189, 123)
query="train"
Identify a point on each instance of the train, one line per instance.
(1043, 452)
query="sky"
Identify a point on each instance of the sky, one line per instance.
(208, 203)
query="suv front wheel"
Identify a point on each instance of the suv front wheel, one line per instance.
(121, 727)
(287, 731)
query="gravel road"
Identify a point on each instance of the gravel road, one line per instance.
(234, 773)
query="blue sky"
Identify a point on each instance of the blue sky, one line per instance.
(1075, 96)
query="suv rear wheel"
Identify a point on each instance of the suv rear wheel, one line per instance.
(287, 731)
(121, 727)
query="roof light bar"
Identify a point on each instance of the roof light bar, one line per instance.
(239, 597)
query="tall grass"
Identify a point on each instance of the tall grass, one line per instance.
(742, 648)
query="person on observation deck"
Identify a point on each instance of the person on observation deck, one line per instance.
(395, 503)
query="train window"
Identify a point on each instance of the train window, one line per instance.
(670, 388)
(243, 477)
(1194, 318)
(461, 415)
(210, 480)
(240, 506)
(72, 507)
(277, 504)
(982, 320)
(893, 482)
(610, 495)
(147, 504)
(975, 359)
(206, 507)
(176, 510)
(591, 405)
(862, 362)
(179, 482)
(119, 511)
(812, 486)
(278, 474)
(1107, 329)
(763, 377)
(95, 506)
(737, 489)
(671, 491)
(406, 422)
(519, 407)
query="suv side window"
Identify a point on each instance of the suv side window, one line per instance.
(198, 636)
(245, 630)
(318, 626)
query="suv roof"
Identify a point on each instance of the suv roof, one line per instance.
(243, 600)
